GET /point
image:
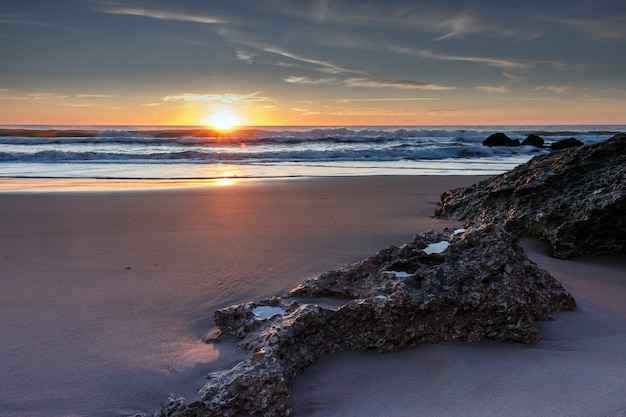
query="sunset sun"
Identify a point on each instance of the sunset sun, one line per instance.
(223, 120)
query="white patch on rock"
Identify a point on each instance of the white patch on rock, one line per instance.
(436, 247)
(263, 312)
(399, 274)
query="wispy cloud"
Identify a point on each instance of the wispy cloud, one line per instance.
(441, 21)
(245, 56)
(560, 89)
(95, 96)
(323, 66)
(492, 62)
(368, 83)
(402, 84)
(314, 81)
(159, 14)
(33, 96)
(458, 25)
(598, 29)
(502, 89)
(467, 23)
(23, 19)
(228, 98)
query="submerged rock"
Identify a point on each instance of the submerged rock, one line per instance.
(565, 143)
(457, 285)
(533, 140)
(500, 139)
(575, 199)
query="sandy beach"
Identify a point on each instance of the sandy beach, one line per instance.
(105, 297)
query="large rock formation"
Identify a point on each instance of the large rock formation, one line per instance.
(457, 285)
(575, 199)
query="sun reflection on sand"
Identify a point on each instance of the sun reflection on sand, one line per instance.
(227, 178)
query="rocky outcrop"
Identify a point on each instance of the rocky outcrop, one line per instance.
(575, 199)
(457, 285)
(500, 139)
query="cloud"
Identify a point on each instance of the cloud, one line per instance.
(368, 83)
(402, 84)
(325, 66)
(245, 56)
(22, 19)
(491, 89)
(560, 89)
(228, 98)
(315, 81)
(94, 96)
(458, 25)
(33, 97)
(467, 23)
(442, 21)
(597, 29)
(492, 62)
(159, 14)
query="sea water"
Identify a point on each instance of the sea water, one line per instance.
(166, 152)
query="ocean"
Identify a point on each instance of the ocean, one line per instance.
(196, 153)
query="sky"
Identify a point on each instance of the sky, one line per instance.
(326, 62)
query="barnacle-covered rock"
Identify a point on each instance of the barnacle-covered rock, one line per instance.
(456, 285)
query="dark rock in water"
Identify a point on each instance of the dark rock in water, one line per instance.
(533, 140)
(575, 199)
(457, 285)
(566, 143)
(500, 139)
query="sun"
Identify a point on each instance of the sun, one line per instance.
(223, 120)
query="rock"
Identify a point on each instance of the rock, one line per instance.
(533, 140)
(575, 199)
(500, 139)
(565, 143)
(457, 285)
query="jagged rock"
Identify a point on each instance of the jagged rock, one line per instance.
(575, 199)
(500, 139)
(533, 140)
(457, 285)
(565, 143)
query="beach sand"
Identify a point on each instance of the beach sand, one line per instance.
(106, 295)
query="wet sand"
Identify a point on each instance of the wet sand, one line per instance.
(106, 295)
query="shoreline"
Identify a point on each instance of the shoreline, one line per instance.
(53, 185)
(106, 297)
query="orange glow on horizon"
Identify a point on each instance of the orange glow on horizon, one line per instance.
(226, 119)
(223, 120)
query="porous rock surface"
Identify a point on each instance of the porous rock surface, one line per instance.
(456, 285)
(575, 199)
